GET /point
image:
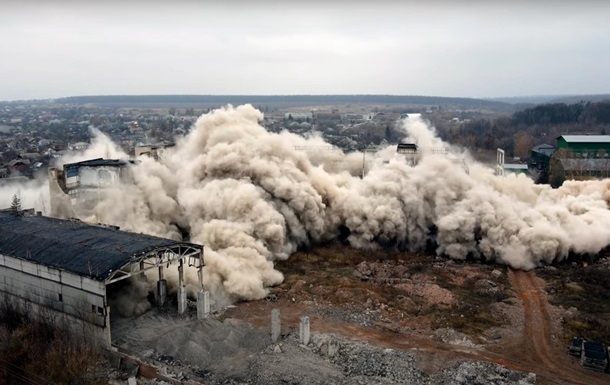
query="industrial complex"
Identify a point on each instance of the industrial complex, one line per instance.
(67, 267)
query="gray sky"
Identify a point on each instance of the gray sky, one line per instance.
(473, 48)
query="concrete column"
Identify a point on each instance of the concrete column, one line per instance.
(203, 304)
(275, 325)
(107, 338)
(304, 330)
(161, 292)
(142, 274)
(181, 289)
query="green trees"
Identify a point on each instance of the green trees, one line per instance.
(16, 205)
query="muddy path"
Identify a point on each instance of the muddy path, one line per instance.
(536, 343)
(534, 352)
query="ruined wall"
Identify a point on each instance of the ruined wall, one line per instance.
(61, 205)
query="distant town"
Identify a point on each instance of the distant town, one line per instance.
(33, 133)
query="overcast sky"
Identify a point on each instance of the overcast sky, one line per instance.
(474, 49)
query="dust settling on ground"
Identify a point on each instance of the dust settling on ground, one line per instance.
(253, 198)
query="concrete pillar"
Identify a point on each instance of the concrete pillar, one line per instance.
(161, 291)
(275, 325)
(304, 330)
(142, 276)
(203, 304)
(181, 289)
(107, 337)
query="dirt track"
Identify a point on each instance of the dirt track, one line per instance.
(552, 362)
(535, 351)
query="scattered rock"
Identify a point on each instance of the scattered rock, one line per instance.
(453, 337)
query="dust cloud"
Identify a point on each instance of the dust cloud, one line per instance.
(253, 197)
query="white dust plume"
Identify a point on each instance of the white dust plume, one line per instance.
(253, 197)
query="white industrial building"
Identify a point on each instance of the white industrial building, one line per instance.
(65, 266)
(75, 189)
(155, 151)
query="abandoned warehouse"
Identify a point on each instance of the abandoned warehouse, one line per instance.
(66, 267)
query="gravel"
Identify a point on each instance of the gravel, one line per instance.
(232, 353)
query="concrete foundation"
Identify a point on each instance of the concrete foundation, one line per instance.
(304, 330)
(161, 292)
(203, 304)
(276, 326)
(329, 347)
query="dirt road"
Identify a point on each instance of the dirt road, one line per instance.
(537, 345)
(535, 351)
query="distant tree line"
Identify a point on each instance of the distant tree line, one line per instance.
(560, 113)
(516, 134)
(261, 99)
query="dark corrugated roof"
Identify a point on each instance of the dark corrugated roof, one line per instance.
(71, 245)
(100, 162)
(407, 146)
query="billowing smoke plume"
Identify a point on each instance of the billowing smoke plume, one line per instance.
(32, 194)
(253, 197)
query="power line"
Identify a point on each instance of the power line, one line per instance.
(16, 369)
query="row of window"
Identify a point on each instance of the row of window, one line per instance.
(94, 308)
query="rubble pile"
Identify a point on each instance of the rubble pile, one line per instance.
(482, 373)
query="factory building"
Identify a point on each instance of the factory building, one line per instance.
(76, 188)
(591, 146)
(155, 151)
(580, 157)
(66, 267)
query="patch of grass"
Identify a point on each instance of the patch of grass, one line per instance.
(333, 266)
(588, 327)
(471, 315)
(468, 319)
(586, 289)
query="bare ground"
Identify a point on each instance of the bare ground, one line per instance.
(442, 311)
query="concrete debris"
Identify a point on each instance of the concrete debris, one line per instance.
(496, 273)
(232, 353)
(453, 337)
(345, 313)
(483, 373)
